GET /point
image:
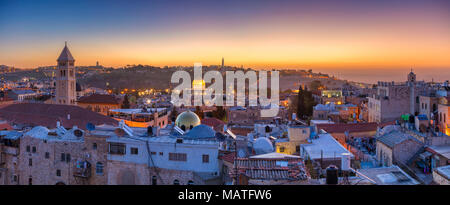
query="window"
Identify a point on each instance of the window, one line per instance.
(117, 148)
(153, 153)
(161, 154)
(34, 149)
(134, 150)
(99, 168)
(205, 158)
(47, 155)
(58, 172)
(67, 157)
(63, 157)
(281, 149)
(94, 146)
(178, 157)
(28, 148)
(176, 182)
(190, 182)
(30, 181)
(154, 180)
(297, 148)
(30, 162)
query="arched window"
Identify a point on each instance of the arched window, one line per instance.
(99, 168)
(183, 127)
(154, 180)
(190, 182)
(176, 182)
(94, 146)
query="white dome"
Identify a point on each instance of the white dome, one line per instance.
(38, 132)
(262, 145)
(388, 129)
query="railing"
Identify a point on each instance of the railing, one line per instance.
(82, 172)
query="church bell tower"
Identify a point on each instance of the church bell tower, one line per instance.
(65, 78)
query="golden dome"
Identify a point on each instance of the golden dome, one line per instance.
(187, 120)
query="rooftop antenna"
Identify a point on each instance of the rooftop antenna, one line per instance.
(231, 134)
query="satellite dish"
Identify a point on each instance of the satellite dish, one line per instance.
(90, 126)
(78, 133)
(119, 132)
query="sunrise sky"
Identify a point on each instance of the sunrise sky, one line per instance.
(319, 34)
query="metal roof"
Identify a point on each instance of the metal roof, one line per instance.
(393, 138)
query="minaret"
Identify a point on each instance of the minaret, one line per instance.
(223, 62)
(65, 78)
(412, 95)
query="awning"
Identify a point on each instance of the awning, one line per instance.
(425, 155)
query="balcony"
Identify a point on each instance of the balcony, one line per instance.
(82, 169)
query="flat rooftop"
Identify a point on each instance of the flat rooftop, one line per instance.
(443, 150)
(392, 175)
(138, 111)
(325, 146)
(444, 171)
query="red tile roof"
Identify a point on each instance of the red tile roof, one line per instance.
(99, 99)
(269, 169)
(5, 126)
(229, 157)
(355, 127)
(214, 123)
(47, 115)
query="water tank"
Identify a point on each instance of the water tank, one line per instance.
(345, 162)
(150, 131)
(332, 175)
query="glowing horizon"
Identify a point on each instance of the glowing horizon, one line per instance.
(257, 34)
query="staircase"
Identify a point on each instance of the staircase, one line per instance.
(415, 156)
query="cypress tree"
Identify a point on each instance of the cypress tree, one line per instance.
(300, 103)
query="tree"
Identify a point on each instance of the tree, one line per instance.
(300, 103)
(220, 113)
(199, 112)
(174, 114)
(305, 103)
(309, 102)
(126, 102)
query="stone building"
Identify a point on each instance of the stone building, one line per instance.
(161, 156)
(59, 156)
(441, 175)
(251, 115)
(394, 146)
(99, 103)
(395, 99)
(331, 96)
(443, 118)
(297, 135)
(9, 151)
